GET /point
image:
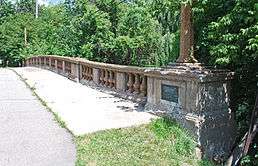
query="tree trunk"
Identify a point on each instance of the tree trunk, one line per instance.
(186, 35)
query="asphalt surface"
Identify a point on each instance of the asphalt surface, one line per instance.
(29, 135)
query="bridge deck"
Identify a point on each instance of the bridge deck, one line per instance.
(84, 109)
(29, 134)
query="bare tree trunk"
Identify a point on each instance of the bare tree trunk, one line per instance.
(186, 35)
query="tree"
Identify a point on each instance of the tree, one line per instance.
(6, 9)
(142, 34)
(113, 8)
(12, 38)
(26, 6)
(167, 12)
(69, 6)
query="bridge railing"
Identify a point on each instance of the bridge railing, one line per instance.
(118, 77)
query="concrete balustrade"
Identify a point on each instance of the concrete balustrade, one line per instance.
(130, 80)
(196, 97)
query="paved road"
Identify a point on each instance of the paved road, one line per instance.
(29, 136)
(84, 109)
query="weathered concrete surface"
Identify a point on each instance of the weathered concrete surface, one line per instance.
(29, 134)
(83, 109)
(203, 106)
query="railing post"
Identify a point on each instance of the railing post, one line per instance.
(75, 67)
(120, 81)
(152, 91)
(96, 75)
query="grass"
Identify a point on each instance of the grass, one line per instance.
(162, 142)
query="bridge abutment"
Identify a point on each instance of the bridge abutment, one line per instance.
(199, 99)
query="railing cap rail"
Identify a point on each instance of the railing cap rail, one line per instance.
(203, 75)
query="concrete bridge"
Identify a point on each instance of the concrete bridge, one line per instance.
(90, 96)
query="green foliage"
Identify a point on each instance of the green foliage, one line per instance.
(51, 34)
(251, 159)
(94, 28)
(167, 12)
(26, 6)
(110, 31)
(11, 44)
(6, 9)
(242, 114)
(113, 8)
(142, 34)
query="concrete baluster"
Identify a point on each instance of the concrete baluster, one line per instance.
(91, 73)
(56, 65)
(102, 77)
(114, 80)
(136, 84)
(106, 78)
(85, 73)
(63, 66)
(143, 87)
(49, 62)
(130, 82)
(110, 79)
(45, 61)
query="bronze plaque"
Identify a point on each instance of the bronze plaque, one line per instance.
(169, 93)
